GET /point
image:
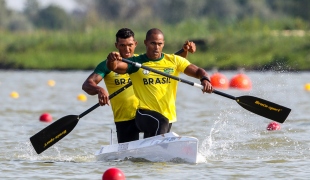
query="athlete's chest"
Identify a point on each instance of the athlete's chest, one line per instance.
(116, 79)
(147, 77)
(168, 67)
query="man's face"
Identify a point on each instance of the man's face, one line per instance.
(154, 46)
(126, 47)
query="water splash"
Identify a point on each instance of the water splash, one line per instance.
(25, 151)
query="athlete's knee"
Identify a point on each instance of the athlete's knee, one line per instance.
(164, 126)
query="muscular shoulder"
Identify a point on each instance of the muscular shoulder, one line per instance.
(102, 69)
(139, 59)
(180, 62)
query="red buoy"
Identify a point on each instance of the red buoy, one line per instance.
(113, 174)
(240, 81)
(273, 126)
(46, 117)
(219, 80)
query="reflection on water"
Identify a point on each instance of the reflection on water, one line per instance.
(233, 143)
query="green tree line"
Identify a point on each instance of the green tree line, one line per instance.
(144, 12)
(265, 34)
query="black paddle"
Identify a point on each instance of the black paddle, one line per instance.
(62, 127)
(256, 105)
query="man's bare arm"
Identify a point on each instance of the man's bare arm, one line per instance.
(199, 73)
(188, 46)
(90, 84)
(114, 63)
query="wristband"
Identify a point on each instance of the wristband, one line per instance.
(205, 78)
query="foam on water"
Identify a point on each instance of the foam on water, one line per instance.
(25, 151)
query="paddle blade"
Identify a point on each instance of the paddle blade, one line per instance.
(53, 133)
(264, 108)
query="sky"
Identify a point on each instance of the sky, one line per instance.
(18, 5)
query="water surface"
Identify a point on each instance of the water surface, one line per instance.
(234, 142)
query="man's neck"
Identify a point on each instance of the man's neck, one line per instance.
(154, 58)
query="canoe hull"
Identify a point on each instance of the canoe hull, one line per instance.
(161, 148)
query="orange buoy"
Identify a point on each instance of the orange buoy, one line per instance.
(240, 81)
(113, 174)
(273, 126)
(219, 80)
(46, 117)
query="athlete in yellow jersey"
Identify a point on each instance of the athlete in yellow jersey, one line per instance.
(156, 93)
(125, 104)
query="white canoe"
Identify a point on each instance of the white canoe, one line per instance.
(161, 148)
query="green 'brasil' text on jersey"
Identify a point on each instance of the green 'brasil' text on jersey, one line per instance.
(157, 92)
(125, 104)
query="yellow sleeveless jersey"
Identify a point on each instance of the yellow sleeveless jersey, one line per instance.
(124, 105)
(157, 92)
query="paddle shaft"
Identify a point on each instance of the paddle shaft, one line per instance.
(177, 78)
(110, 97)
(256, 105)
(162, 73)
(179, 51)
(62, 127)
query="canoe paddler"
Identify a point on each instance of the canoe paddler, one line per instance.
(125, 104)
(156, 93)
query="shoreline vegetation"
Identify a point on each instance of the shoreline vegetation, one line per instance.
(260, 48)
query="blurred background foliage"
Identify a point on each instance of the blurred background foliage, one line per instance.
(229, 34)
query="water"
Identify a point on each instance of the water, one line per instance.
(234, 143)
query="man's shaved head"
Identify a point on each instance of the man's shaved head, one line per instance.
(153, 31)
